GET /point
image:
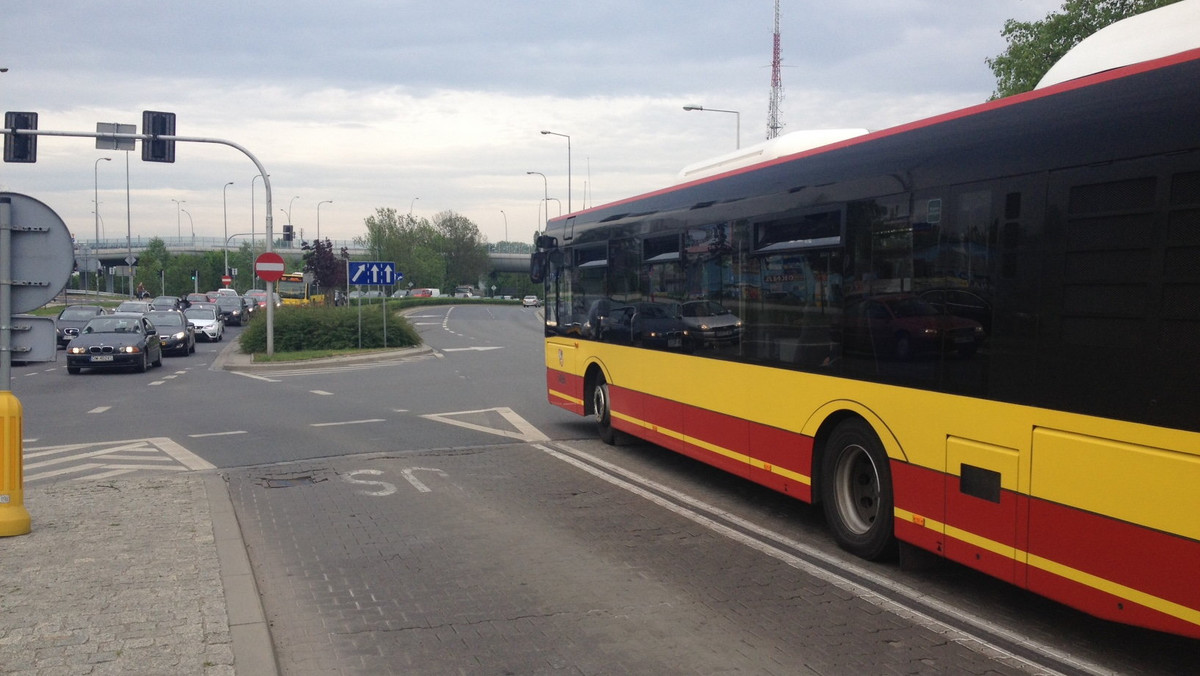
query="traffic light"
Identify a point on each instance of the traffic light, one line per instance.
(194, 273)
(155, 124)
(288, 233)
(20, 148)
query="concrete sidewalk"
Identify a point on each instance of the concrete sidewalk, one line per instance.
(145, 575)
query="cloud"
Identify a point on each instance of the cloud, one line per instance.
(375, 103)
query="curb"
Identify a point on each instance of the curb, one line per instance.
(253, 650)
(233, 359)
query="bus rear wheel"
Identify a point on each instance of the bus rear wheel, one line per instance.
(602, 411)
(856, 491)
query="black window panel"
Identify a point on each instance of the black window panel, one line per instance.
(804, 231)
(1137, 193)
(1185, 188)
(660, 249)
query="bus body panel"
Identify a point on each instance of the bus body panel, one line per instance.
(1061, 452)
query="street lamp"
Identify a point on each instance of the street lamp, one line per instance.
(718, 110)
(319, 216)
(225, 213)
(289, 209)
(505, 224)
(410, 206)
(545, 197)
(554, 133)
(178, 207)
(192, 224)
(256, 177)
(96, 195)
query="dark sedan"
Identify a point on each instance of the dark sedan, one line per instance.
(658, 325)
(233, 310)
(123, 340)
(178, 335)
(73, 318)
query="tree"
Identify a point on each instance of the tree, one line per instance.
(463, 246)
(327, 268)
(411, 243)
(1035, 46)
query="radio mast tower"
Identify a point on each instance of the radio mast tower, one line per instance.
(773, 123)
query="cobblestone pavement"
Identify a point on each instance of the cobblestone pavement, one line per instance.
(130, 576)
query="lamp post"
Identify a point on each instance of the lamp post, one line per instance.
(545, 197)
(554, 133)
(225, 215)
(192, 224)
(319, 216)
(410, 206)
(96, 197)
(505, 224)
(256, 177)
(178, 207)
(718, 110)
(289, 209)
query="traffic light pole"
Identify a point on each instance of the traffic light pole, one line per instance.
(155, 138)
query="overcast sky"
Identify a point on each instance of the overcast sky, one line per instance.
(437, 106)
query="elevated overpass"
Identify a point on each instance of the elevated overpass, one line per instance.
(112, 253)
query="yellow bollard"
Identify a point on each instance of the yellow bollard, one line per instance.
(14, 518)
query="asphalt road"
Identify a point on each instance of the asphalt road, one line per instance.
(433, 514)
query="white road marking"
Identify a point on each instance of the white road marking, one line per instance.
(524, 430)
(470, 349)
(217, 434)
(348, 422)
(256, 377)
(100, 409)
(322, 393)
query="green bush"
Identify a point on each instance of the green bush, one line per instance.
(329, 328)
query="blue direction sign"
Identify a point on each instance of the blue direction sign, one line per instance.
(364, 273)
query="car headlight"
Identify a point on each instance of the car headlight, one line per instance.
(180, 336)
(76, 350)
(131, 349)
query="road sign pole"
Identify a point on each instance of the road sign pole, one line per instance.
(14, 518)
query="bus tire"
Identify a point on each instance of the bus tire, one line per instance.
(602, 411)
(856, 491)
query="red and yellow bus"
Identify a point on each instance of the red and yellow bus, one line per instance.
(977, 334)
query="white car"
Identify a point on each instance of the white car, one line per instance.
(530, 301)
(208, 323)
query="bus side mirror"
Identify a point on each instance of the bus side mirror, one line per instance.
(546, 242)
(538, 263)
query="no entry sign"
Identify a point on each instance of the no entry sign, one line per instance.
(269, 266)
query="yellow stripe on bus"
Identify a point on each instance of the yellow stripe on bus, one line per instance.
(1159, 604)
(718, 450)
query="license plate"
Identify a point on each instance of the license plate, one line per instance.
(963, 339)
(674, 342)
(102, 357)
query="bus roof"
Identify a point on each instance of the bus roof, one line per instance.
(788, 144)
(1174, 35)
(1144, 37)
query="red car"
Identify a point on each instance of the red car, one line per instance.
(901, 325)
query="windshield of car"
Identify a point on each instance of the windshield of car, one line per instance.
(132, 306)
(78, 313)
(200, 313)
(911, 307)
(167, 319)
(112, 325)
(704, 308)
